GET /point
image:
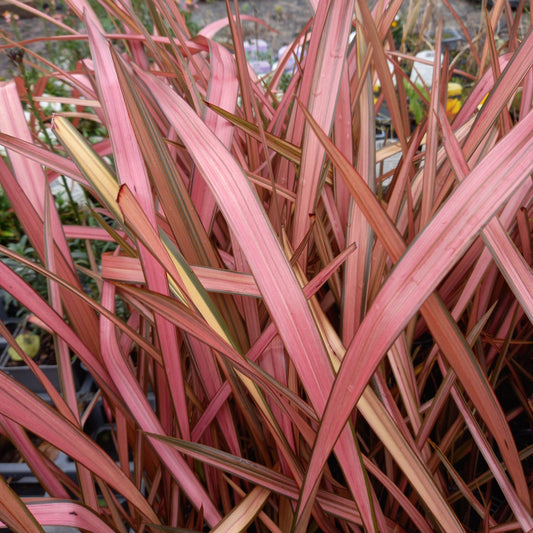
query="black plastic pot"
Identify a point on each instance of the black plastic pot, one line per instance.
(451, 38)
(512, 3)
(23, 374)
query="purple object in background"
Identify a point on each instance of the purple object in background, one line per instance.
(260, 67)
(255, 49)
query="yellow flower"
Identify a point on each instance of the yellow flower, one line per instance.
(454, 103)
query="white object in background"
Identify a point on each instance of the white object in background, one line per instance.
(423, 73)
(76, 190)
(390, 64)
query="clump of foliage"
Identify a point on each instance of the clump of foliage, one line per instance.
(417, 97)
(10, 228)
(277, 346)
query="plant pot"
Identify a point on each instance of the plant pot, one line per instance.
(451, 38)
(24, 482)
(46, 361)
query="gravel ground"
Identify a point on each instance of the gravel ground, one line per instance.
(286, 17)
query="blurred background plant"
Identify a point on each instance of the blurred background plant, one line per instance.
(289, 326)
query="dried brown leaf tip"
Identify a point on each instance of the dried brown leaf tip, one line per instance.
(16, 56)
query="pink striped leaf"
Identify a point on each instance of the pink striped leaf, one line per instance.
(27, 187)
(172, 192)
(510, 261)
(128, 269)
(264, 340)
(272, 272)
(22, 292)
(327, 53)
(192, 324)
(260, 475)
(41, 155)
(131, 170)
(39, 418)
(211, 29)
(435, 251)
(514, 69)
(141, 409)
(270, 267)
(190, 290)
(13, 512)
(223, 91)
(50, 512)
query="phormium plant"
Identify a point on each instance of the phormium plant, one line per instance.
(279, 341)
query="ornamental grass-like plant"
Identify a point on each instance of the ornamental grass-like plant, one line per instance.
(283, 335)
